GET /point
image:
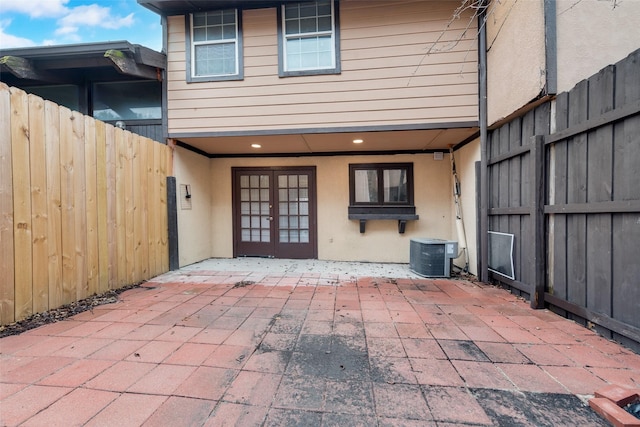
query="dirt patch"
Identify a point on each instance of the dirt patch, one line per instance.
(62, 313)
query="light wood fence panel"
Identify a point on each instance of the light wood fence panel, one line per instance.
(82, 206)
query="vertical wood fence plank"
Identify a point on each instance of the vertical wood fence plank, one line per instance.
(137, 210)
(39, 197)
(22, 231)
(164, 224)
(599, 189)
(101, 206)
(130, 264)
(151, 216)
(558, 240)
(7, 267)
(143, 211)
(112, 205)
(537, 278)
(54, 204)
(80, 212)
(577, 193)
(91, 167)
(121, 182)
(67, 177)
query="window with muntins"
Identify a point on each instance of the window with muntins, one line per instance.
(381, 184)
(309, 38)
(215, 46)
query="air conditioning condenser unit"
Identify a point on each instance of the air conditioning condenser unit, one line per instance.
(432, 257)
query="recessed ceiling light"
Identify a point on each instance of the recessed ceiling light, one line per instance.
(358, 141)
(256, 145)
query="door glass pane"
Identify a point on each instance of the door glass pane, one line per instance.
(293, 236)
(283, 209)
(282, 195)
(282, 181)
(284, 236)
(304, 194)
(254, 208)
(293, 222)
(293, 181)
(293, 208)
(304, 208)
(304, 222)
(284, 222)
(293, 194)
(304, 236)
(303, 181)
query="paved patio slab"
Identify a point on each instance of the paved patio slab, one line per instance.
(249, 342)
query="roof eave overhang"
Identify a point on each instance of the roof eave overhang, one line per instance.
(181, 7)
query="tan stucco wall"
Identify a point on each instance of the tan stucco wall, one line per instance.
(593, 34)
(466, 158)
(194, 225)
(516, 55)
(206, 231)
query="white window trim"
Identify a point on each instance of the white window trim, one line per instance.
(213, 42)
(286, 37)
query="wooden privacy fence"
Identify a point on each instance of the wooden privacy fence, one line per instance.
(83, 206)
(571, 198)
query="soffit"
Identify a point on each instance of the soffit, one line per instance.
(331, 143)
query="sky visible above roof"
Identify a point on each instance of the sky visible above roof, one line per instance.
(25, 23)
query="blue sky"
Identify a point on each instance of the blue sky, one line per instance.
(26, 23)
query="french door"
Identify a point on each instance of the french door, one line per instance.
(274, 212)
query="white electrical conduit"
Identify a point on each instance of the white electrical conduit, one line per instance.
(462, 237)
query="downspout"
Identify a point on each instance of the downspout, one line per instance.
(483, 250)
(165, 44)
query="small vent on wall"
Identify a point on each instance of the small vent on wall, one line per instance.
(438, 155)
(185, 197)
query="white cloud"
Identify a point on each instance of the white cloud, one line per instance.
(91, 16)
(36, 8)
(8, 41)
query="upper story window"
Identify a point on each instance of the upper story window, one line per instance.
(309, 38)
(381, 184)
(214, 45)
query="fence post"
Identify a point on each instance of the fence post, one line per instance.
(537, 171)
(172, 221)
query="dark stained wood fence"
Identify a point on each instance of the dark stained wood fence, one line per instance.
(571, 198)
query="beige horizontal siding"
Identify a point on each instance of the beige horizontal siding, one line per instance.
(389, 75)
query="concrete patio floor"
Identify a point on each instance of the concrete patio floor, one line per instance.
(288, 343)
